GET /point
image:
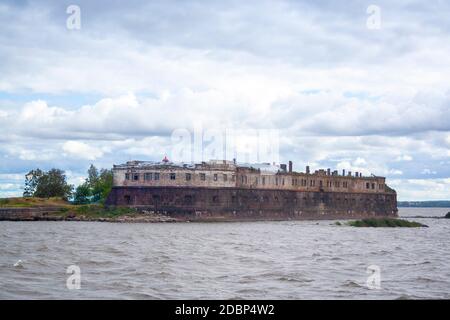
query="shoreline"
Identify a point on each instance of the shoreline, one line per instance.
(129, 215)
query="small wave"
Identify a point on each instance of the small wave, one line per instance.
(18, 264)
(291, 279)
(352, 284)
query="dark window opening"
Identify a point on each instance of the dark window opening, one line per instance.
(172, 176)
(188, 199)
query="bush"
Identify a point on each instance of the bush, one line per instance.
(385, 223)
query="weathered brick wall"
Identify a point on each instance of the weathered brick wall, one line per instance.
(21, 214)
(254, 203)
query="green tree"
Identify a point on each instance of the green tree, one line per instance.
(53, 184)
(31, 182)
(82, 194)
(92, 176)
(106, 183)
(98, 183)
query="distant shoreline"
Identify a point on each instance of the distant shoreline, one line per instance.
(424, 204)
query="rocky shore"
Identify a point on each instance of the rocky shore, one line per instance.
(62, 214)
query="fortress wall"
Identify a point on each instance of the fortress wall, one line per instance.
(246, 178)
(251, 204)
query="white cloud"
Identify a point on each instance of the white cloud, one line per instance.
(404, 157)
(82, 150)
(422, 189)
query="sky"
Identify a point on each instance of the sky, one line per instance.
(344, 86)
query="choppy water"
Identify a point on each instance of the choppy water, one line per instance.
(257, 260)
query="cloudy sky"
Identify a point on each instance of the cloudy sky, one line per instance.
(341, 94)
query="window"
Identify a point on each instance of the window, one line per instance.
(202, 176)
(233, 177)
(225, 177)
(172, 176)
(373, 185)
(215, 176)
(127, 176)
(136, 176)
(276, 181)
(147, 176)
(367, 185)
(188, 199)
(156, 175)
(188, 176)
(263, 180)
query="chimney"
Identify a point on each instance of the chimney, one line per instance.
(328, 171)
(307, 169)
(234, 160)
(360, 175)
(343, 172)
(283, 167)
(290, 166)
(356, 174)
(349, 173)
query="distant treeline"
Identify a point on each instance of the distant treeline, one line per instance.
(425, 204)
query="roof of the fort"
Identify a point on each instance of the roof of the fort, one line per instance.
(190, 165)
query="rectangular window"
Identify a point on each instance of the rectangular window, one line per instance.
(215, 176)
(263, 180)
(127, 176)
(188, 177)
(136, 176)
(233, 177)
(373, 185)
(202, 176)
(225, 177)
(148, 176)
(156, 175)
(172, 176)
(367, 185)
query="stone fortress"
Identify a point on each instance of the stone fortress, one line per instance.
(228, 190)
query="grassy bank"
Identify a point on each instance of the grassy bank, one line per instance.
(67, 210)
(32, 202)
(385, 223)
(96, 211)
